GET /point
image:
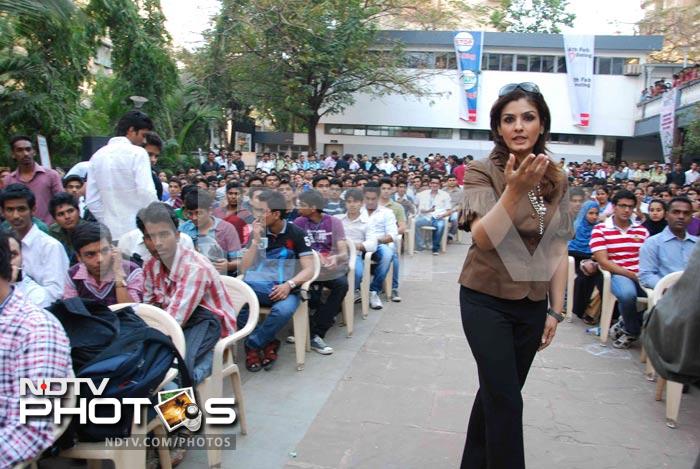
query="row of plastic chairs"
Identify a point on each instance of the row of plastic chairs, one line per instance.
(673, 390)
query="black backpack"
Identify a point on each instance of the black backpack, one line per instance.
(135, 358)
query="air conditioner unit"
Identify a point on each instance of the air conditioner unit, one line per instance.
(633, 70)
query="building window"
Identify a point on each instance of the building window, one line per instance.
(572, 139)
(534, 63)
(387, 131)
(611, 65)
(445, 60)
(420, 60)
(469, 134)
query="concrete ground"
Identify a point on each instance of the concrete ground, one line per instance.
(397, 395)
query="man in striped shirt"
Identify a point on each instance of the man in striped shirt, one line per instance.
(182, 281)
(615, 245)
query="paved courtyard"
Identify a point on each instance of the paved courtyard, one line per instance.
(397, 395)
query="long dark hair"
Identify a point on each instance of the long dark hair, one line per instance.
(553, 176)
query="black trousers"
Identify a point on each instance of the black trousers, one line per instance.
(504, 336)
(583, 285)
(326, 312)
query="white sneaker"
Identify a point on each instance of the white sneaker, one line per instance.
(291, 339)
(320, 346)
(374, 301)
(395, 297)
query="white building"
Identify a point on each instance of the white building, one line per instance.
(403, 124)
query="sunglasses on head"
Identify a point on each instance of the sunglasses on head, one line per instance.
(527, 86)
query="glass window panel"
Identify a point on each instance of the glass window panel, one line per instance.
(441, 60)
(521, 64)
(561, 61)
(507, 62)
(535, 64)
(548, 64)
(604, 65)
(494, 62)
(452, 61)
(618, 65)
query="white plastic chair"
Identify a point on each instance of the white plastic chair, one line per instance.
(224, 366)
(136, 458)
(607, 306)
(570, 279)
(365, 282)
(674, 391)
(300, 320)
(349, 300)
(410, 244)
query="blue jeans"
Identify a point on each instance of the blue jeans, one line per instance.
(626, 291)
(281, 312)
(359, 266)
(454, 218)
(384, 256)
(395, 272)
(437, 223)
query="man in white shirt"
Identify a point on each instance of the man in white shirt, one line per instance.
(386, 165)
(356, 226)
(266, 164)
(119, 181)
(383, 228)
(692, 174)
(434, 206)
(43, 258)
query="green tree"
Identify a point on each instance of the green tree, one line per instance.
(44, 54)
(532, 16)
(302, 59)
(679, 27)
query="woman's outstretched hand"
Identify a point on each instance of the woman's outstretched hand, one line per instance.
(528, 174)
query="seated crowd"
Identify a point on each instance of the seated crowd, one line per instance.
(167, 239)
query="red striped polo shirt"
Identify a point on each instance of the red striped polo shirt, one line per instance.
(622, 246)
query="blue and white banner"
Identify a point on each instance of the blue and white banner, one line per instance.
(468, 46)
(667, 122)
(579, 76)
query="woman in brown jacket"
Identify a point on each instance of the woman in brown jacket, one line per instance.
(513, 279)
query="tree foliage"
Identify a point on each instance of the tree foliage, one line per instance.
(46, 83)
(429, 15)
(532, 16)
(679, 26)
(301, 60)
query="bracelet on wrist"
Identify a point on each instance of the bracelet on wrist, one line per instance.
(558, 316)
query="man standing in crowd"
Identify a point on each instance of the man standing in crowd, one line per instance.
(43, 182)
(270, 264)
(33, 345)
(692, 174)
(328, 240)
(43, 257)
(119, 178)
(668, 251)
(456, 194)
(384, 229)
(153, 146)
(615, 245)
(210, 164)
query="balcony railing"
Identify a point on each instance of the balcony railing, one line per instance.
(688, 94)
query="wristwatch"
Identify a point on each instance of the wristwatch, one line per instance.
(558, 316)
(292, 284)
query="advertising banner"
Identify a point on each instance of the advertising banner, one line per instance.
(579, 76)
(667, 122)
(468, 46)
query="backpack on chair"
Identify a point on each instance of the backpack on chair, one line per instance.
(136, 360)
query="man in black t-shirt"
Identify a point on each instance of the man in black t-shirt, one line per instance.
(278, 261)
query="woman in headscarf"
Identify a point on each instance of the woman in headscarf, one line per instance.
(656, 219)
(587, 274)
